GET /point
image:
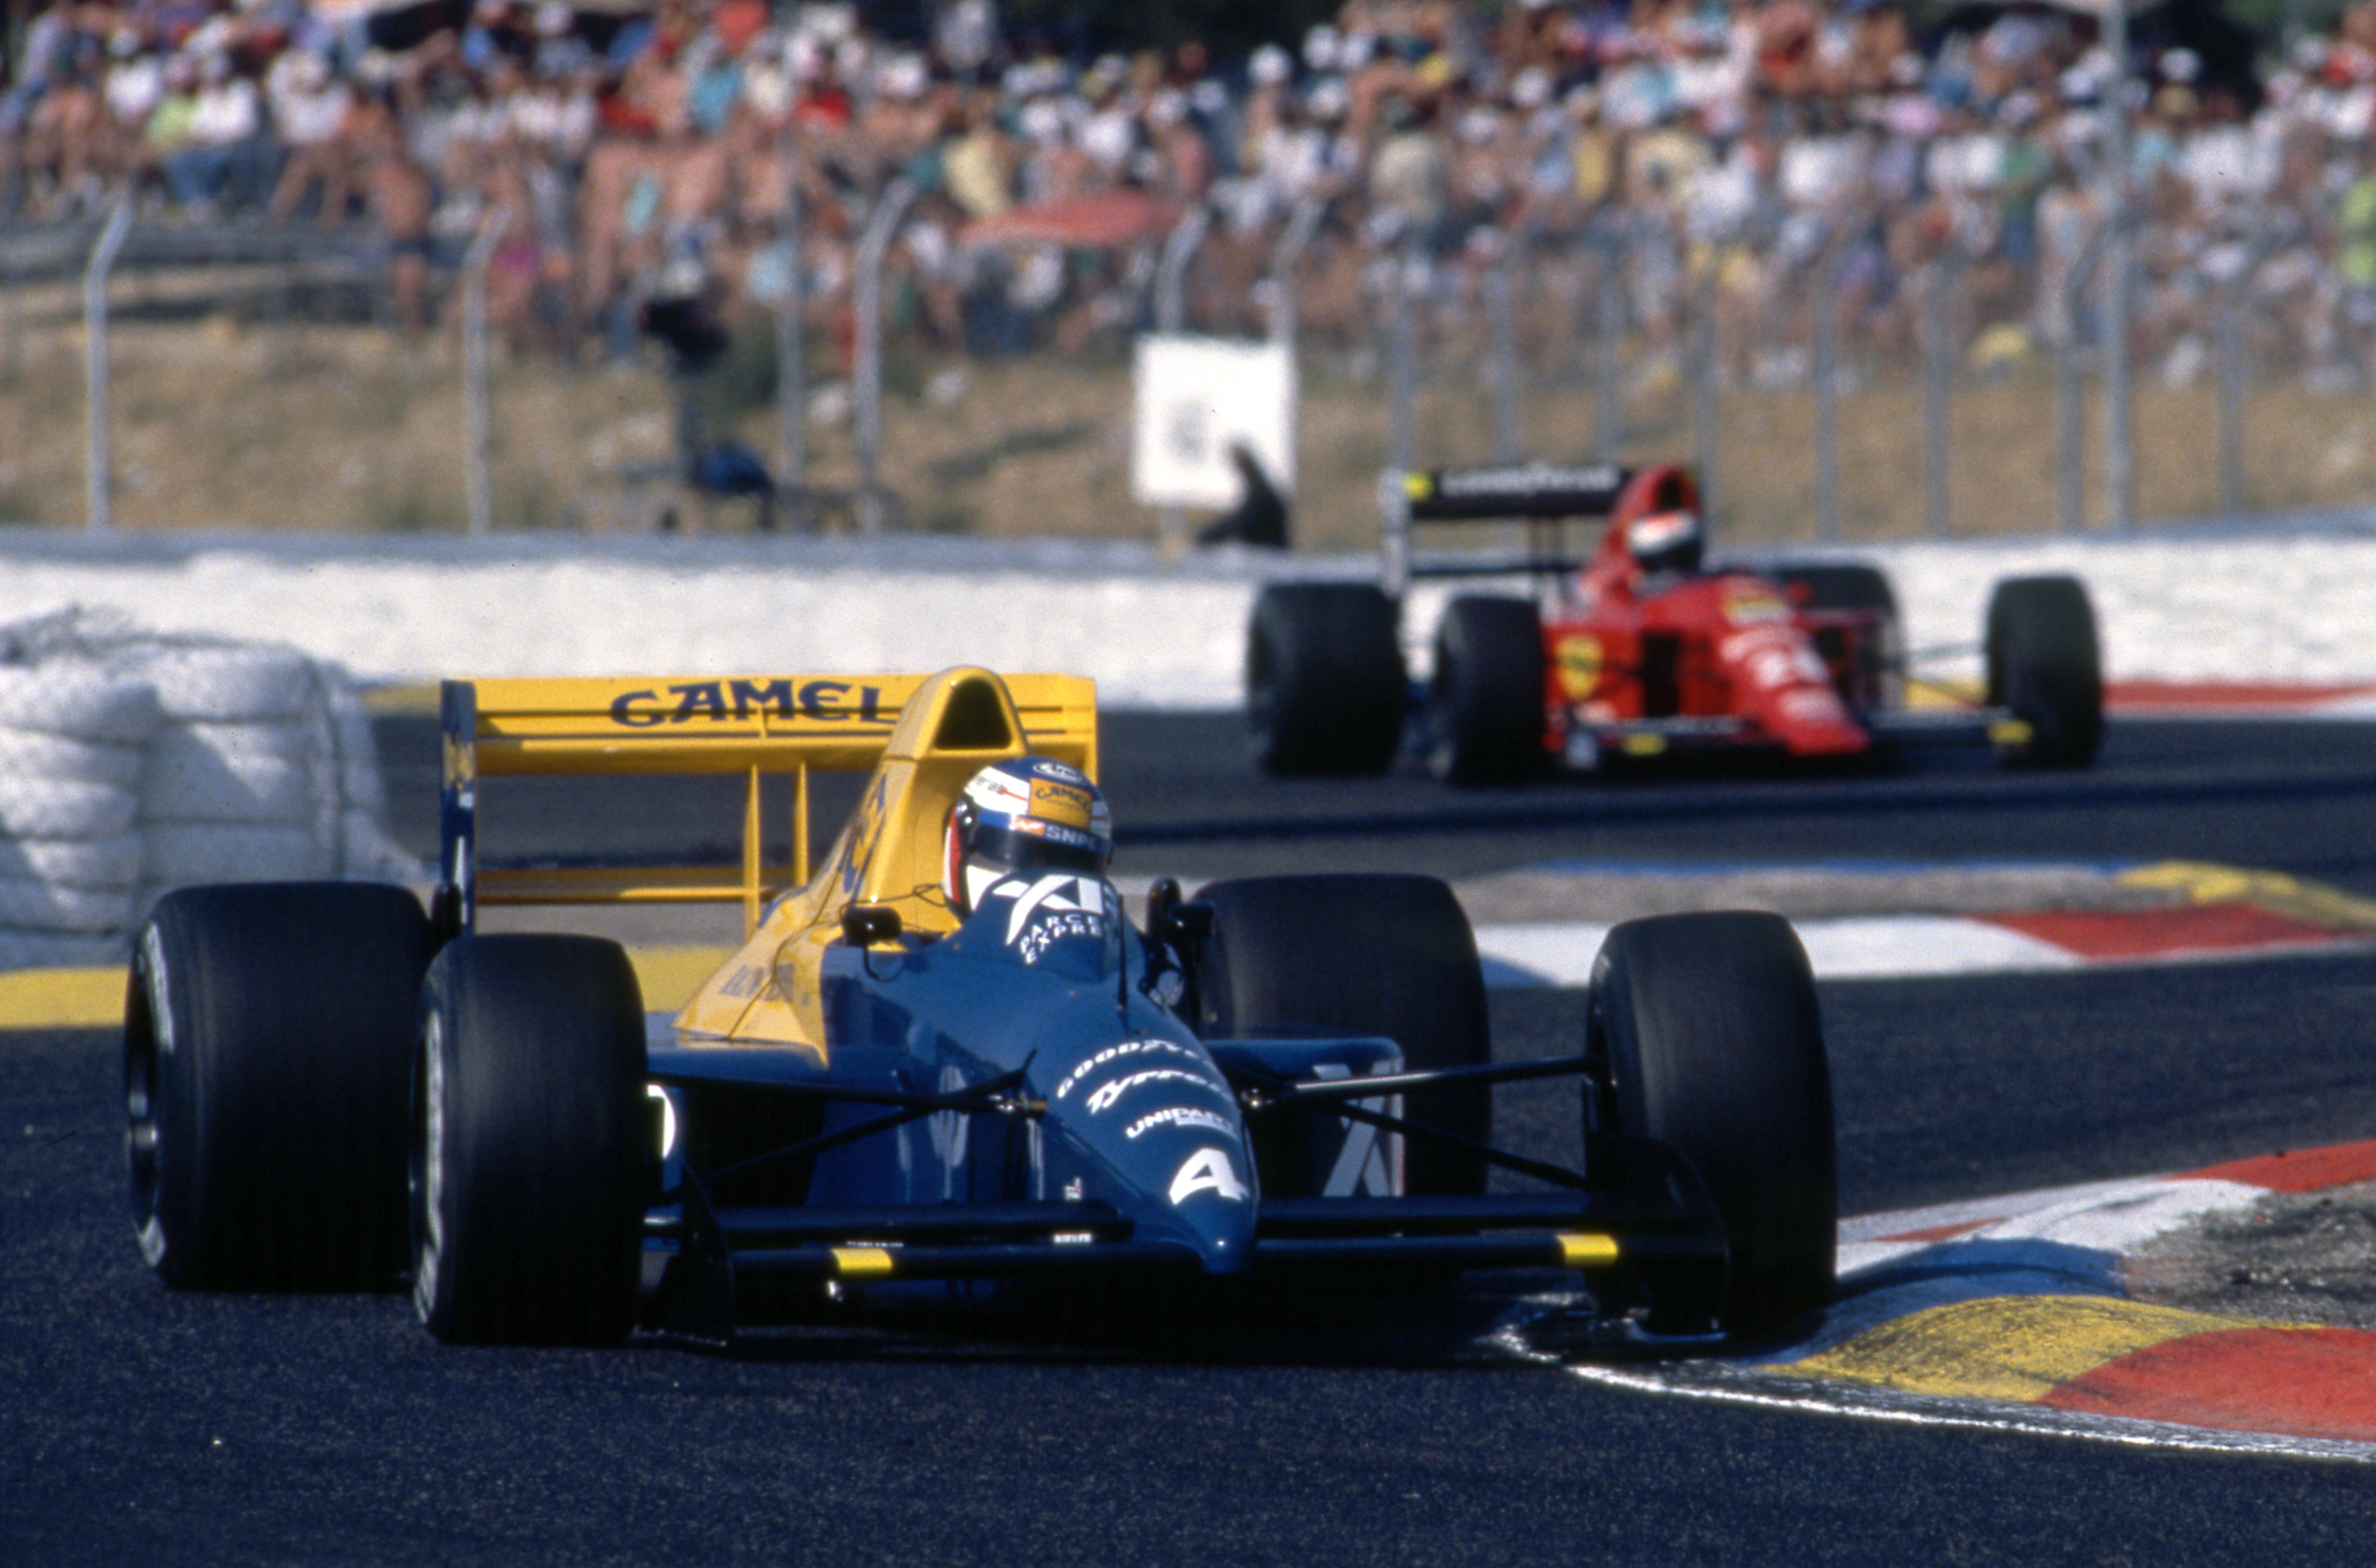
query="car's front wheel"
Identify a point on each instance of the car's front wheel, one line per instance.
(1485, 698)
(2045, 667)
(529, 1165)
(1708, 1029)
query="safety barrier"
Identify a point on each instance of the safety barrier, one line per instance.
(132, 762)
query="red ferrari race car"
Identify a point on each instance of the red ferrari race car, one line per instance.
(1642, 648)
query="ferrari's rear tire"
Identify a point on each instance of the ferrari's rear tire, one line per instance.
(1708, 1027)
(1485, 698)
(267, 1035)
(1838, 585)
(1361, 955)
(1870, 680)
(529, 1159)
(1325, 679)
(2045, 667)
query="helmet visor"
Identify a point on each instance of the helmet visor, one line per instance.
(1014, 849)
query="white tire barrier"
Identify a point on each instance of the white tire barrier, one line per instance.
(69, 759)
(42, 808)
(75, 863)
(230, 772)
(58, 950)
(178, 854)
(132, 764)
(229, 682)
(79, 698)
(27, 905)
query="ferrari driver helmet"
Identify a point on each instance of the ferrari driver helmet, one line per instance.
(1666, 541)
(1030, 814)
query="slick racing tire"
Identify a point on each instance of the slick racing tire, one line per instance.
(1838, 585)
(1708, 1029)
(1359, 955)
(1323, 679)
(268, 1037)
(2045, 667)
(1852, 585)
(1485, 698)
(528, 1165)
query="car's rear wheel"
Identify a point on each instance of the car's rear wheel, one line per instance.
(1325, 679)
(1708, 1026)
(1485, 698)
(529, 1164)
(1359, 955)
(267, 1035)
(2045, 669)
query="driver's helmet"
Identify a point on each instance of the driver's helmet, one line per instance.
(1666, 541)
(1024, 815)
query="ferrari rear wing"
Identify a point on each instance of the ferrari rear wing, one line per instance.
(1542, 495)
(745, 727)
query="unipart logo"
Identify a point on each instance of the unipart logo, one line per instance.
(724, 702)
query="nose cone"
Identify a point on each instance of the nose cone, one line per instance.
(1209, 1204)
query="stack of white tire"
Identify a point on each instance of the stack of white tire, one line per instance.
(74, 737)
(133, 764)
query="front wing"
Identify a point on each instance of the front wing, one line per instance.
(1638, 1224)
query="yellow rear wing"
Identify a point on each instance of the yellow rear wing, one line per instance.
(745, 727)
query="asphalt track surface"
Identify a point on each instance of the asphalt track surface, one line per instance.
(136, 1424)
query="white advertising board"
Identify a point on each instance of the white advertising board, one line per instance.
(1195, 397)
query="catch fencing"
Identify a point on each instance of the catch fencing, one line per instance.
(1833, 379)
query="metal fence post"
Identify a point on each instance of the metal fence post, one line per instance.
(1501, 301)
(874, 249)
(1409, 274)
(792, 348)
(1609, 327)
(12, 356)
(1706, 383)
(1179, 248)
(477, 416)
(1939, 355)
(1831, 270)
(2230, 332)
(2119, 280)
(1301, 224)
(99, 473)
(2070, 387)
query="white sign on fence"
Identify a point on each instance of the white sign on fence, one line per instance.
(1195, 397)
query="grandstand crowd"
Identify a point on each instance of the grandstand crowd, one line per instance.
(1764, 155)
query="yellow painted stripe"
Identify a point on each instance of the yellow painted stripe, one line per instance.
(2205, 882)
(61, 999)
(862, 1261)
(2013, 1347)
(1587, 1252)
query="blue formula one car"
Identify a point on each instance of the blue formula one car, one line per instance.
(944, 1065)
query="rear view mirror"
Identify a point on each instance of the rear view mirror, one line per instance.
(863, 925)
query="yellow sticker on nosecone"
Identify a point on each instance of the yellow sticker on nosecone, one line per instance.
(1578, 659)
